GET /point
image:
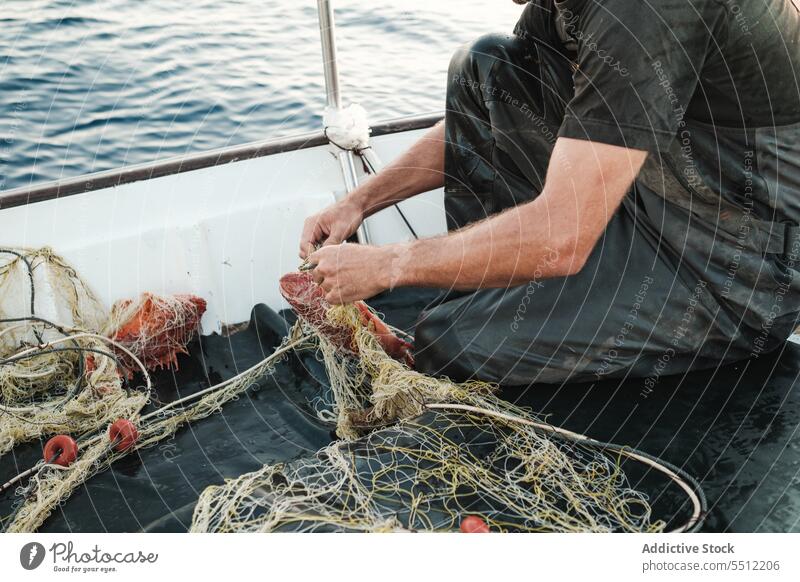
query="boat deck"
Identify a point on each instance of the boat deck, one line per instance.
(734, 428)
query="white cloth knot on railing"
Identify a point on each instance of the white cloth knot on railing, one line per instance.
(347, 128)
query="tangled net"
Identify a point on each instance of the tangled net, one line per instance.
(426, 475)
(50, 324)
(52, 484)
(24, 316)
(65, 362)
(416, 452)
(155, 328)
(420, 453)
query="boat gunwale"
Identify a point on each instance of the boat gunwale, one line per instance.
(85, 183)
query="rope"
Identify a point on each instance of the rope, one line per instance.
(685, 481)
(86, 442)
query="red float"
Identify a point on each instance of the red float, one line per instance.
(63, 448)
(123, 434)
(473, 524)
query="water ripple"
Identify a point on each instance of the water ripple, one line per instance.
(87, 86)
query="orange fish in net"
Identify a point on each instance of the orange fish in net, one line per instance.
(308, 301)
(156, 329)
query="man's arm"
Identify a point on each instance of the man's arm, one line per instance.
(550, 236)
(418, 170)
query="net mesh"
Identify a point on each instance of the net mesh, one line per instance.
(52, 485)
(54, 376)
(426, 475)
(403, 465)
(65, 363)
(416, 453)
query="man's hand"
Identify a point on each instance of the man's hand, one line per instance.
(420, 169)
(331, 226)
(350, 272)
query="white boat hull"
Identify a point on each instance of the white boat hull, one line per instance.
(226, 233)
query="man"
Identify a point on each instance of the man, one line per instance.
(621, 186)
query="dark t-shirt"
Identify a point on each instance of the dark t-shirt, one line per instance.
(711, 88)
(643, 66)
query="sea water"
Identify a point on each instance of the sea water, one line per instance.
(93, 85)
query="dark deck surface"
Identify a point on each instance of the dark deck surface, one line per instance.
(735, 429)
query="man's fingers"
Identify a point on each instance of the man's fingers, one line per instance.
(337, 236)
(334, 297)
(306, 248)
(327, 286)
(338, 292)
(315, 258)
(312, 232)
(331, 273)
(332, 240)
(308, 233)
(319, 271)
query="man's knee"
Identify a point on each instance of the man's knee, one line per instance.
(471, 65)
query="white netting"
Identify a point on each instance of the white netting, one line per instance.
(54, 376)
(417, 453)
(403, 465)
(65, 360)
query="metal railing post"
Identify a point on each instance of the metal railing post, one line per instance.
(327, 34)
(333, 97)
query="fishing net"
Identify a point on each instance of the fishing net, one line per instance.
(52, 484)
(308, 301)
(421, 453)
(65, 362)
(56, 372)
(415, 453)
(24, 317)
(155, 328)
(427, 474)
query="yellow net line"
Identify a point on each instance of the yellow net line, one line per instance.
(52, 485)
(416, 453)
(50, 326)
(402, 465)
(64, 368)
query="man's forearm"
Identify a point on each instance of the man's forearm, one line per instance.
(551, 236)
(418, 170)
(498, 252)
